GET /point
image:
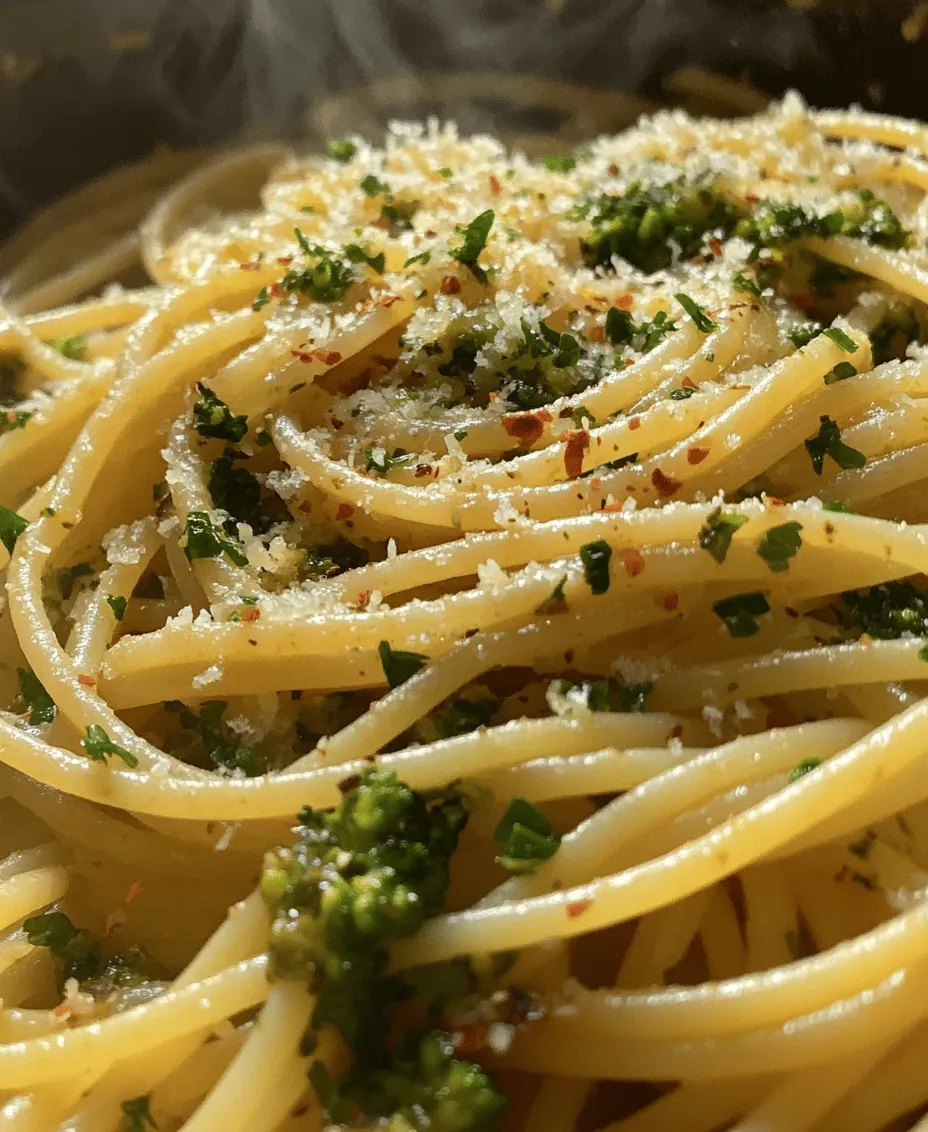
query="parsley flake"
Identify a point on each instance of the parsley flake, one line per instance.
(739, 613)
(555, 602)
(33, 699)
(212, 417)
(595, 557)
(99, 746)
(202, 540)
(340, 149)
(716, 533)
(779, 545)
(526, 837)
(72, 348)
(841, 371)
(828, 443)
(800, 770)
(742, 283)
(474, 241)
(559, 164)
(703, 322)
(843, 341)
(372, 186)
(399, 665)
(12, 526)
(136, 1108)
(118, 606)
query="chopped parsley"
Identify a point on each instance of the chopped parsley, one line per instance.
(236, 491)
(377, 460)
(893, 333)
(261, 299)
(837, 506)
(633, 697)
(340, 149)
(595, 557)
(620, 326)
(656, 330)
(12, 526)
(681, 393)
(800, 770)
(118, 606)
(779, 545)
(11, 421)
(75, 949)
(843, 341)
(828, 443)
(621, 329)
(33, 699)
(399, 665)
(803, 334)
(474, 240)
(841, 372)
(356, 254)
(702, 321)
(526, 837)
(72, 348)
(223, 747)
(888, 611)
(99, 747)
(212, 417)
(559, 164)
(325, 280)
(422, 257)
(742, 283)
(372, 186)
(203, 540)
(716, 533)
(740, 612)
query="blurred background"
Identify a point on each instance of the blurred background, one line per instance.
(86, 85)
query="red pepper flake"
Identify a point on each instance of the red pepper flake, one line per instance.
(450, 285)
(688, 383)
(305, 507)
(628, 362)
(865, 639)
(595, 484)
(612, 169)
(364, 600)
(250, 614)
(666, 486)
(634, 424)
(345, 511)
(494, 185)
(775, 501)
(527, 427)
(249, 266)
(303, 355)
(337, 424)
(676, 732)
(633, 561)
(751, 198)
(494, 396)
(597, 334)
(624, 302)
(134, 889)
(715, 245)
(696, 455)
(87, 681)
(387, 301)
(612, 508)
(284, 260)
(423, 470)
(578, 907)
(275, 290)
(63, 1012)
(578, 444)
(669, 602)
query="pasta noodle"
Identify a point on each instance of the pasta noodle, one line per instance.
(586, 496)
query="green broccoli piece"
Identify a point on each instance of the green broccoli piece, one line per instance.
(645, 224)
(426, 1089)
(359, 877)
(888, 611)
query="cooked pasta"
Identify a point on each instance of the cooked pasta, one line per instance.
(572, 513)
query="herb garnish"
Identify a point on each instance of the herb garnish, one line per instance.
(526, 837)
(828, 443)
(595, 557)
(779, 545)
(703, 322)
(33, 698)
(202, 540)
(212, 417)
(739, 613)
(399, 665)
(474, 241)
(12, 526)
(99, 746)
(716, 533)
(118, 606)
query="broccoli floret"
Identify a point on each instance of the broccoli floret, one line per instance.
(645, 224)
(889, 611)
(360, 876)
(427, 1089)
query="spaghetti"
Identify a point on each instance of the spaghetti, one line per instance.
(585, 497)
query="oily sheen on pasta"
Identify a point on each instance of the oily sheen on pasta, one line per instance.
(567, 515)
